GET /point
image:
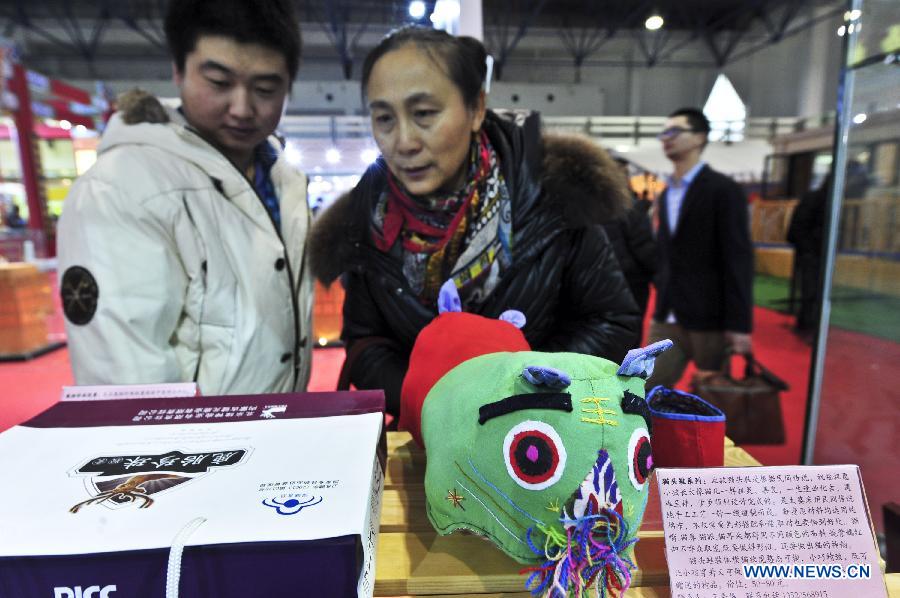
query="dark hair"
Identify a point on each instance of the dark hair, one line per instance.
(462, 58)
(695, 117)
(271, 23)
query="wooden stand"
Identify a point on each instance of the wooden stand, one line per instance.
(25, 304)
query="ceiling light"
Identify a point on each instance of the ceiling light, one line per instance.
(445, 11)
(860, 118)
(332, 156)
(292, 154)
(368, 155)
(855, 14)
(65, 125)
(842, 30)
(417, 9)
(654, 22)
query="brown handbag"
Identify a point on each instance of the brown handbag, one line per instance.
(752, 405)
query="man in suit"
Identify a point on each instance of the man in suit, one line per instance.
(704, 278)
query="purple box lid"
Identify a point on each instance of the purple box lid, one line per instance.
(123, 412)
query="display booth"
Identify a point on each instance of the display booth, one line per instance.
(48, 137)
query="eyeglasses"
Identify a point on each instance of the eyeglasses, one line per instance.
(673, 132)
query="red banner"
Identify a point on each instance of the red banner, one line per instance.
(68, 92)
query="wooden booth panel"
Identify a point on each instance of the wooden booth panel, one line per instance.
(25, 304)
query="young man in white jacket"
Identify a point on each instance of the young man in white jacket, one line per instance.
(181, 252)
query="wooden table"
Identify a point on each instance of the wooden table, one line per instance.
(413, 560)
(893, 584)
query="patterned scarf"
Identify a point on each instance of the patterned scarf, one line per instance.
(458, 236)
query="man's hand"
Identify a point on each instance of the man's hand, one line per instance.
(739, 342)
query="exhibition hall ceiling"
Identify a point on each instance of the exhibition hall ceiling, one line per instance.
(91, 40)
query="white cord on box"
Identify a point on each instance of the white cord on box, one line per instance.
(173, 571)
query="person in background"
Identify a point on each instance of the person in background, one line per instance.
(181, 251)
(807, 234)
(632, 239)
(704, 281)
(474, 196)
(317, 205)
(14, 217)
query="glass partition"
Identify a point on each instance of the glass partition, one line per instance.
(854, 412)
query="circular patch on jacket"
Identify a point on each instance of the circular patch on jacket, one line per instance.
(79, 293)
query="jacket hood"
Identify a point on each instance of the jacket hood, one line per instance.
(579, 180)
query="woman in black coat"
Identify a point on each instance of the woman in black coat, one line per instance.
(480, 197)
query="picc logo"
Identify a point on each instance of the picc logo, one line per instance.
(88, 592)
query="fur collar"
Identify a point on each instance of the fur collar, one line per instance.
(138, 106)
(579, 180)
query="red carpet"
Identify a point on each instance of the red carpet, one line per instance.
(29, 387)
(859, 421)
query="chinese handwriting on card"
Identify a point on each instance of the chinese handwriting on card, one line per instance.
(768, 532)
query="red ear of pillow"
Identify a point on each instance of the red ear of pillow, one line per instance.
(449, 340)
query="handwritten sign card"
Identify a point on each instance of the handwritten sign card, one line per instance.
(768, 532)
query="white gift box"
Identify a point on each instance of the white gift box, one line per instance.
(264, 495)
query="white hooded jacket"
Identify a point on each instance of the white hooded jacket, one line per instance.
(192, 280)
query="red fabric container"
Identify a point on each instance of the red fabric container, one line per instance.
(687, 431)
(450, 339)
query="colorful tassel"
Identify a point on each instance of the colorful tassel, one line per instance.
(585, 554)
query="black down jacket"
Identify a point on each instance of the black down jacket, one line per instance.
(564, 276)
